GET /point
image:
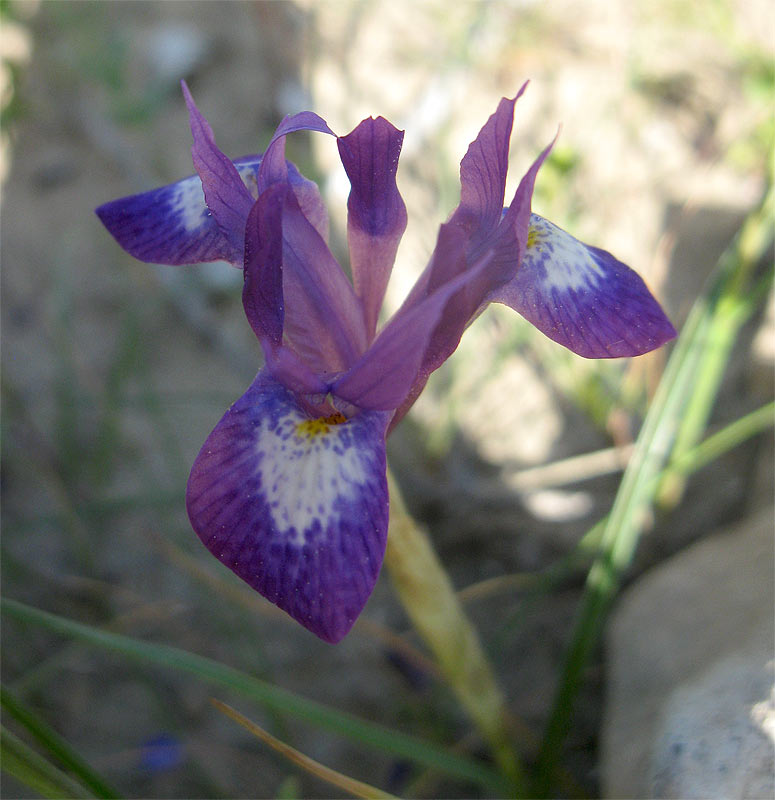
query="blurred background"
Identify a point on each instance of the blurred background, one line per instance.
(114, 371)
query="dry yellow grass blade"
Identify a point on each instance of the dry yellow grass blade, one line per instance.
(350, 785)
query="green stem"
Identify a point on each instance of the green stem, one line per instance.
(429, 599)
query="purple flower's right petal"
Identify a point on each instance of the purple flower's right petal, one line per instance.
(297, 507)
(376, 213)
(583, 297)
(226, 195)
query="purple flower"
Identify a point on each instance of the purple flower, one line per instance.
(289, 490)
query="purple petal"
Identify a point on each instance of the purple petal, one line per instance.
(376, 213)
(172, 224)
(273, 169)
(262, 294)
(297, 507)
(226, 196)
(483, 169)
(323, 317)
(583, 298)
(388, 370)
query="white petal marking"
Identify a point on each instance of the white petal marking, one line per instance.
(305, 467)
(562, 261)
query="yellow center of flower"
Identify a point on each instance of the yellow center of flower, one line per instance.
(533, 236)
(309, 428)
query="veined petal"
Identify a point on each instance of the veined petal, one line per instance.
(169, 225)
(583, 297)
(484, 167)
(226, 195)
(297, 507)
(172, 224)
(376, 213)
(323, 319)
(389, 369)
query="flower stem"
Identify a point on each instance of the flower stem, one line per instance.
(426, 592)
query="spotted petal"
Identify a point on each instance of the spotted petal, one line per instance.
(583, 297)
(297, 507)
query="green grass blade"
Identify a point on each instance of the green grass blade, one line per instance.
(366, 733)
(34, 771)
(653, 451)
(56, 745)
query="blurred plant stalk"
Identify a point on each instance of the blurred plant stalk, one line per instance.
(427, 594)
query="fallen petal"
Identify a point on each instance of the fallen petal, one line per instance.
(297, 507)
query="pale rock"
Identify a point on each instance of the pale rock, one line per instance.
(688, 709)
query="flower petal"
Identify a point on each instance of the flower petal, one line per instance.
(262, 293)
(376, 213)
(273, 169)
(169, 225)
(385, 374)
(484, 167)
(323, 319)
(298, 508)
(226, 195)
(583, 297)
(172, 224)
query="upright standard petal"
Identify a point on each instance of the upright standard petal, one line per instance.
(583, 297)
(227, 197)
(484, 167)
(297, 507)
(273, 169)
(376, 212)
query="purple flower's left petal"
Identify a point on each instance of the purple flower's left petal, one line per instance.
(376, 213)
(297, 507)
(583, 297)
(169, 225)
(226, 195)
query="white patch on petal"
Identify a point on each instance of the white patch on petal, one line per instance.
(305, 466)
(561, 262)
(188, 203)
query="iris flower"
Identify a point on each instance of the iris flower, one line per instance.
(289, 490)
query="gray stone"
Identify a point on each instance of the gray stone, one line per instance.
(688, 707)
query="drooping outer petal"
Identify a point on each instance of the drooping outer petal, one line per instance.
(583, 297)
(376, 213)
(298, 508)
